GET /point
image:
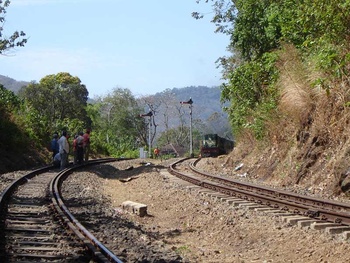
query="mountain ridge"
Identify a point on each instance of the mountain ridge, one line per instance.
(12, 84)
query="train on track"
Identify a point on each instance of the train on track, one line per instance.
(212, 145)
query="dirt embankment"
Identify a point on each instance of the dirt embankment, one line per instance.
(14, 160)
(306, 144)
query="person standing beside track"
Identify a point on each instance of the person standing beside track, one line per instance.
(156, 152)
(64, 150)
(79, 148)
(75, 154)
(54, 145)
(86, 144)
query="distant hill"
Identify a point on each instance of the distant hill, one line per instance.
(206, 100)
(207, 109)
(12, 84)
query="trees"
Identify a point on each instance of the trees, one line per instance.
(250, 72)
(149, 128)
(169, 116)
(116, 122)
(11, 134)
(258, 29)
(56, 102)
(17, 39)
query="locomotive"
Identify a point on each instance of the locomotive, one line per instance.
(213, 145)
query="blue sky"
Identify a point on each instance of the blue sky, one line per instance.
(146, 46)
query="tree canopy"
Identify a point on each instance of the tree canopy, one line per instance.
(116, 122)
(57, 101)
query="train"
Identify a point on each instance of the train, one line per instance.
(213, 145)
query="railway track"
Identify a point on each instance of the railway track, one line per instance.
(314, 212)
(58, 244)
(36, 226)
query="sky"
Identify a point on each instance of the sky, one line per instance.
(146, 46)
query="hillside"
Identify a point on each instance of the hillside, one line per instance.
(207, 111)
(307, 144)
(12, 84)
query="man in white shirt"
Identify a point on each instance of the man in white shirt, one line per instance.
(64, 149)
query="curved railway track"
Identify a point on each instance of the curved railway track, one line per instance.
(326, 213)
(36, 226)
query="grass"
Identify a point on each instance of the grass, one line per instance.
(183, 250)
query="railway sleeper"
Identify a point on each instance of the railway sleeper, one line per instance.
(315, 224)
(309, 220)
(36, 248)
(22, 220)
(39, 256)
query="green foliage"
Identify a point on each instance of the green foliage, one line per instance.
(251, 73)
(8, 99)
(12, 137)
(123, 147)
(177, 136)
(183, 250)
(33, 124)
(57, 102)
(251, 94)
(116, 123)
(129, 154)
(73, 126)
(256, 28)
(304, 23)
(319, 28)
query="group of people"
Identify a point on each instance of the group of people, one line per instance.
(60, 148)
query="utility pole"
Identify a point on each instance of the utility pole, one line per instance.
(149, 114)
(190, 102)
(109, 109)
(149, 137)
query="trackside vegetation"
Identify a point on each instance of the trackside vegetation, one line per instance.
(287, 84)
(259, 30)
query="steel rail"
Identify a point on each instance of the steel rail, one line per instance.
(22, 180)
(101, 253)
(322, 209)
(27, 225)
(290, 196)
